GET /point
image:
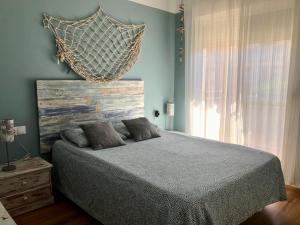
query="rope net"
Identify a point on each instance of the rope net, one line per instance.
(98, 48)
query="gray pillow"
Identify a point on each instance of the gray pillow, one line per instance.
(119, 127)
(141, 129)
(102, 135)
(122, 135)
(75, 136)
(122, 130)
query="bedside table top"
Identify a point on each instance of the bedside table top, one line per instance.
(5, 218)
(26, 166)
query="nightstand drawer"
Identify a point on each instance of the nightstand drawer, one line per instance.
(31, 206)
(27, 197)
(17, 184)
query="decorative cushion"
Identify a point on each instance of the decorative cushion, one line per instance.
(102, 135)
(75, 136)
(122, 136)
(122, 130)
(141, 129)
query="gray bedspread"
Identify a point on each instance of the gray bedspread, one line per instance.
(172, 180)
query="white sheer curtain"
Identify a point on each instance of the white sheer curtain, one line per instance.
(242, 80)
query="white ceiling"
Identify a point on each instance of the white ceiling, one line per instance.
(166, 5)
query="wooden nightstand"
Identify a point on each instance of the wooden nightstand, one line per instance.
(26, 188)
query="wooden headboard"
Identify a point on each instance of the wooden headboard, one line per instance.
(64, 104)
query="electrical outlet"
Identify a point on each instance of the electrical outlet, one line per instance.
(20, 130)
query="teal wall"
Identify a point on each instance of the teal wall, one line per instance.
(179, 84)
(27, 53)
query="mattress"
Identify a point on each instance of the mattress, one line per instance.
(171, 180)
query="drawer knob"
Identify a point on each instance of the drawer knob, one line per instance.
(25, 197)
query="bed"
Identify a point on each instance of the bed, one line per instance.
(171, 180)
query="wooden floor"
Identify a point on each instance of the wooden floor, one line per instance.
(64, 212)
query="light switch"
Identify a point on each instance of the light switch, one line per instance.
(20, 130)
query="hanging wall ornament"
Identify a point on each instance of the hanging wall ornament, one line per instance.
(180, 30)
(98, 48)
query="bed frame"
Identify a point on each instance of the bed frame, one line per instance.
(65, 104)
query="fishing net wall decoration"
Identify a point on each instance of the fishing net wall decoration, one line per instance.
(99, 47)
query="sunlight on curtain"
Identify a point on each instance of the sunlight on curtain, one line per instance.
(238, 62)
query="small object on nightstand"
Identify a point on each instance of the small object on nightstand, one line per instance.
(156, 113)
(28, 187)
(7, 135)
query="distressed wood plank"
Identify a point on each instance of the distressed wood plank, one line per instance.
(73, 101)
(54, 84)
(16, 184)
(26, 166)
(64, 104)
(27, 197)
(31, 206)
(67, 110)
(70, 120)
